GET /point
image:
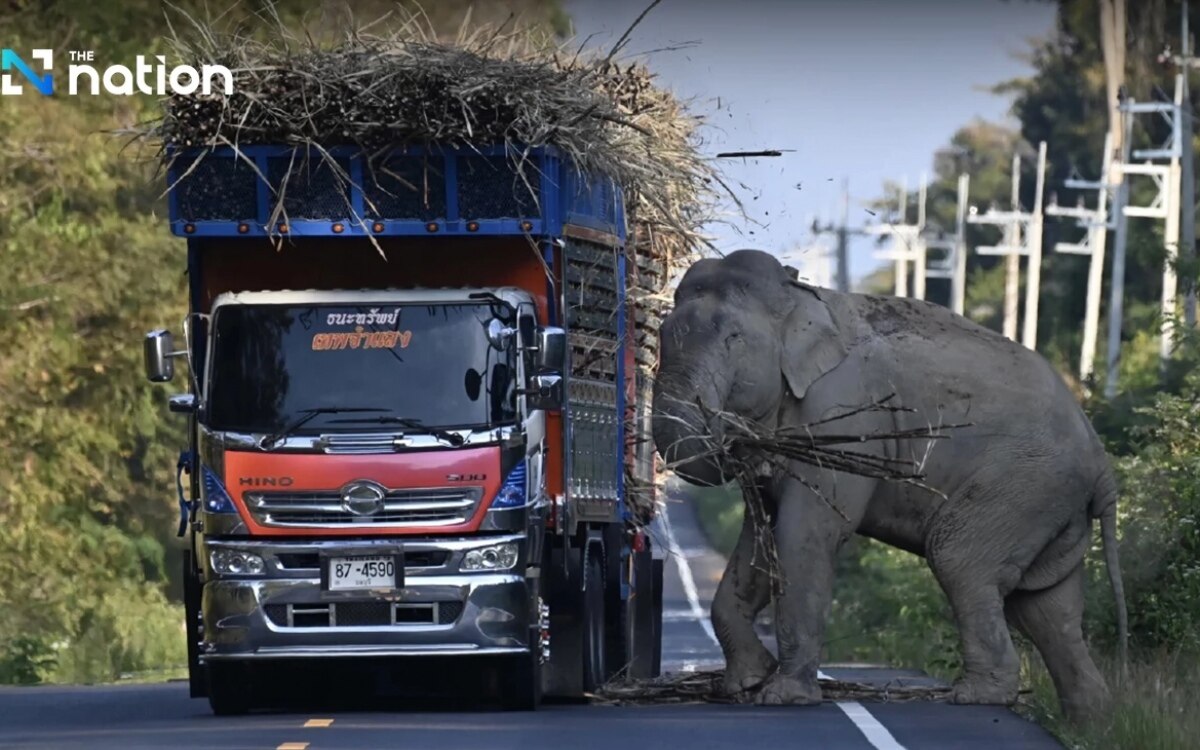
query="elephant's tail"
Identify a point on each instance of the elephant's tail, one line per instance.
(1105, 508)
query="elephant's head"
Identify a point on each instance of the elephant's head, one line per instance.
(744, 335)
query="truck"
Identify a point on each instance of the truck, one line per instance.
(415, 389)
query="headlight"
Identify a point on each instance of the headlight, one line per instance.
(236, 562)
(496, 557)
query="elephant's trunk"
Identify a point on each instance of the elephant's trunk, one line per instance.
(688, 430)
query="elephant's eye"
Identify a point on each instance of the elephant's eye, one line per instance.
(733, 338)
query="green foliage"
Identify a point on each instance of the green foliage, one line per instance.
(87, 550)
(1160, 517)
(720, 511)
(1153, 706)
(889, 609)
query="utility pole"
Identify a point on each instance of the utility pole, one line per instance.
(1116, 304)
(1022, 231)
(1187, 198)
(907, 243)
(1033, 275)
(902, 256)
(1097, 223)
(1165, 206)
(842, 232)
(960, 244)
(843, 241)
(1112, 47)
(1012, 263)
(920, 251)
(953, 265)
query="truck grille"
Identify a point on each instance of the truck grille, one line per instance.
(446, 506)
(312, 560)
(363, 614)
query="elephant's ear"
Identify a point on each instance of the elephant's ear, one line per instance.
(812, 343)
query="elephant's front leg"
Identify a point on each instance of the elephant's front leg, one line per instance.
(744, 591)
(808, 534)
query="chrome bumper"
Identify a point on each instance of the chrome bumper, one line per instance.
(461, 613)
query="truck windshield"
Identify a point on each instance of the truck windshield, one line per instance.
(272, 364)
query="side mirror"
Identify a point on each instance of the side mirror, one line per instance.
(498, 334)
(159, 350)
(545, 392)
(552, 350)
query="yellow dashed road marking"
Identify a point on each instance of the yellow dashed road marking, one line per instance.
(293, 746)
(318, 722)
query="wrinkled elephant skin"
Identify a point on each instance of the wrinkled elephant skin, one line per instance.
(1017, 488)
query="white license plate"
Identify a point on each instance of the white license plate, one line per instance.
(346, 573)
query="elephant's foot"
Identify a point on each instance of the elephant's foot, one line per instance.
(781, 690)
(983, 690)
(743, 674)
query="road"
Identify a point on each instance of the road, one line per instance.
(137, 717)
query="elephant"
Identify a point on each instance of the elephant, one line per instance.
(1004, 518)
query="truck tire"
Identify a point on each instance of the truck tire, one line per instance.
(230, 691)
(595, 652)
(617, 609)
(641, 626)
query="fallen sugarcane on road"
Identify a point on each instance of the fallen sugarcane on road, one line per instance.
(704, 687)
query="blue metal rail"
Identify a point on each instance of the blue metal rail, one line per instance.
(277, 191)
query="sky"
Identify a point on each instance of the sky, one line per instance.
(863, 90)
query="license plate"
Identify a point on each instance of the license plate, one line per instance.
(350, 573)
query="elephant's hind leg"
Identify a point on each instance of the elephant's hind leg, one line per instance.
(1053, 620)
(970, 578)
(744, 591)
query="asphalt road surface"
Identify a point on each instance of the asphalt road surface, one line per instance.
(162, 716)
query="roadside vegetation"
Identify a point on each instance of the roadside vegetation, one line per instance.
(88, 558)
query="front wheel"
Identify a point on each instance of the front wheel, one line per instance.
(230, 692)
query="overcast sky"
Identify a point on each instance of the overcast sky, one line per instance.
(858, 89)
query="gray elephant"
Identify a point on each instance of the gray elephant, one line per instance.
(1007, 532)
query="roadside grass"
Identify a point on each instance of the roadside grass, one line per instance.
(1155, 708)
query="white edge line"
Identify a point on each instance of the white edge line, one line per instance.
(689, 584)
(876, 733)
(685, 577)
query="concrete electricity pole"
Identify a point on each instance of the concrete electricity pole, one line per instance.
(842, 232)
(907, 243)
(1187, 198)
(1022, 236)
(1097, 223)
(953, 265)
(1116, 303)
(1165, 206)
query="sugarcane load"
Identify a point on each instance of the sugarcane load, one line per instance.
(424, 284)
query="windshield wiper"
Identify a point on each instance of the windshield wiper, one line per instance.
(453, 438)
(270, 441)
